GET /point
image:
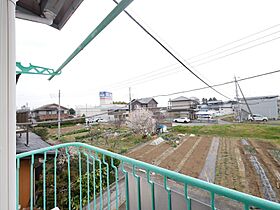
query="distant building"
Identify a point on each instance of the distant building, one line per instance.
(106, 98)
(146, 103)
(49, 112)
(263, 105)
(218, 107)
(278, 104)
(183, 107)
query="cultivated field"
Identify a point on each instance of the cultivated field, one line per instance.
(246, 165)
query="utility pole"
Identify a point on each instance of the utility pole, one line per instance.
(248, 107)
(129, 99)
(237, 100)
(58, 123)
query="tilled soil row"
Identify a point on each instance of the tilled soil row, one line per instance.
(196, 161)
(227, 167)
(140, 151)
(172, 161)
(252, 180)
(152, 155)
(271, 167)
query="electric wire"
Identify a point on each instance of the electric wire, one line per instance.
(232, 42)
(172, 54)
(217, 85)
(156, 96)
(209, 61)
(237, 46)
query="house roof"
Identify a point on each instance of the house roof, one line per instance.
(35, 142)
(52, 12)
(144, 100)
(183, 98)
(49, 107)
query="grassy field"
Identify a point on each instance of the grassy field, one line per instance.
(235, 130)
(118, 140)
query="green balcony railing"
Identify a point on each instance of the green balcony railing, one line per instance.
(99, 179)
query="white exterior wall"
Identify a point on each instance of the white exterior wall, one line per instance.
(7, 106)
(265, 107)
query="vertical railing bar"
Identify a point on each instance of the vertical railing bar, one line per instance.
(69, 179)
(44, 182)
(213, 201)
(31, 181)
(94, 184)
(88, 182)
(117, 182)
(17, 183)
(246, 206)
(55, 162)
(126, 185)
(187, 198)
(152, 184)
(80, 178)
(100, 181)
(138, 187)
(168, 193)
(108, 182)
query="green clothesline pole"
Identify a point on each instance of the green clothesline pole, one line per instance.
(31, 69)
(109, 18)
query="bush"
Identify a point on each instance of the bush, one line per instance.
(42, 132)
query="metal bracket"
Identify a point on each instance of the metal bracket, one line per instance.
(31, 69)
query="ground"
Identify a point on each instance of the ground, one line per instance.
(233, 166)
(187, 154)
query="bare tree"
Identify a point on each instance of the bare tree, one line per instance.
(141, 121)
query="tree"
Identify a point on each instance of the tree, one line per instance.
(204, 100)
(141, 121)
(72, 111)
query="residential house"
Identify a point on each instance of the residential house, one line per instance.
(146, 103)
(263, 105)
(50, 112)
(183, 107)
(218, 107)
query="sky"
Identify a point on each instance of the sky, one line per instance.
(124, 56)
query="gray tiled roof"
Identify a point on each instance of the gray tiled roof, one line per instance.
(145, 100)
(35, 142)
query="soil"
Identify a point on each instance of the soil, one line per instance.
(136, 153)
(171, 162)
(233, 167)
(151, 156)
(196, 161)
(250, 173)
(227, 169)
(271, 167)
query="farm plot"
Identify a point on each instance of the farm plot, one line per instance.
(195, 162)
(235, 166)
(230, 170)
(173, 160)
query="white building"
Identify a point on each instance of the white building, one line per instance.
(263, 105)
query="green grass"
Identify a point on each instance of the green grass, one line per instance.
(234, 130)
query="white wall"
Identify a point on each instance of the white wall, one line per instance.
(7, 106)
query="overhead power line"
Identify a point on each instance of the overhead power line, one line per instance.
(235, 41)
(172, 54)
(220, 84)
(237, 46)
(136, 80)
